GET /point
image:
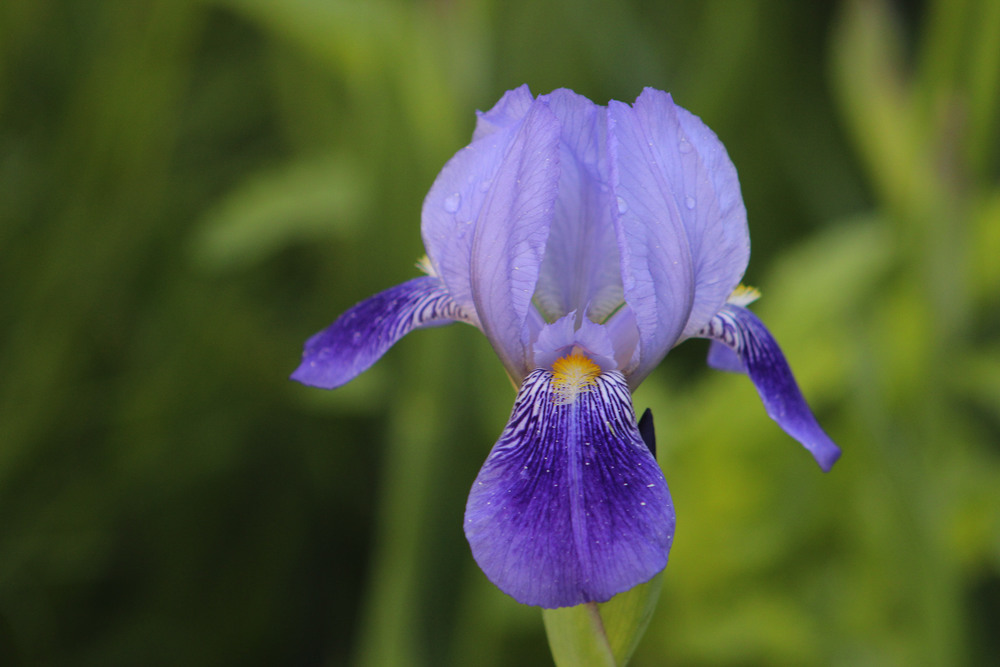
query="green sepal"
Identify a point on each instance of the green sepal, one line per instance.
(602, 635)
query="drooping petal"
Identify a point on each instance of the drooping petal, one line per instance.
(581, 271)
(361, 335)
(656, 264)
(762, 359)
(570, 507)
(510, 236)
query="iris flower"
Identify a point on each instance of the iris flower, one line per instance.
(585, 242)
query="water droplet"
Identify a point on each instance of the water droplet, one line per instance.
(684, 146)
(485, 185)
(689, 202)
(452, 202)
(622, 205)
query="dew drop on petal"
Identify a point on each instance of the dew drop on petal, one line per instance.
(622, 205)
(684, 146)
(452, 202)
(485, 185)
(689, 202)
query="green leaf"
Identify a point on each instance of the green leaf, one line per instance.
(296, 202)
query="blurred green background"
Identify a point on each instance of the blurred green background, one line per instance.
(191, 188)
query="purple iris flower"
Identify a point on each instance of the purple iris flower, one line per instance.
(584, 242)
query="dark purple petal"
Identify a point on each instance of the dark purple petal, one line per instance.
(361, 335)
(744, 333)
(510, 236)
(570, 507)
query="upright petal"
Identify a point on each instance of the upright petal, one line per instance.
(570, 507)
(511, 231)
(505, 114)
(451, 210)
(361, 335)
(453, 205)
(707, 193)
(762, 359)
(581, 270)
(656, 263)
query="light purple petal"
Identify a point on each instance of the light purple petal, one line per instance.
(451, 211)
(510, 236)
(707, 192)
(361, 335)
(505, 114)
(557, 340)
(453, 205)
(624, 336)
(581, 271)
(570, 507)
(656, 263)
(722, 358)
(745, 334)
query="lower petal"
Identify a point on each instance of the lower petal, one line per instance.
(361, 335)
(759, 355)
(570, 507)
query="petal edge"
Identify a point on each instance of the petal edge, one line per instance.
(359, 337)
(570, 506)
(762, 359)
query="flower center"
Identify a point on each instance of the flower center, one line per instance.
(572, 375)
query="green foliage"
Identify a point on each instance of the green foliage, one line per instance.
(190, 188)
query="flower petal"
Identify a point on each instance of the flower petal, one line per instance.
(762, 359)
(453, 205)
(510, 236)
(556, 340)
(712, 207)
(361, 335)
(581, 270)
(722, 358)
(570, 507)
(656, 267)
(506, 113)
(682, 161)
